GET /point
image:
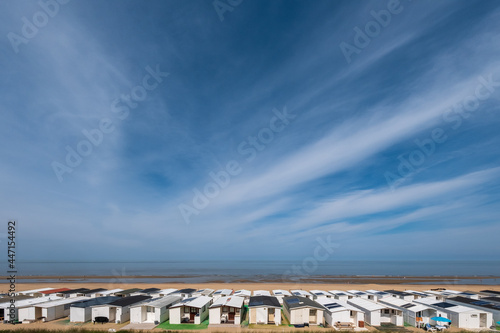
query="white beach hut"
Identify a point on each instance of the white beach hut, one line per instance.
(377, 313)
(341, 295)
(320, 294)
(280, 294)
(303, 311)
(460, 316)
(153, 311)
(117, 311)
(226, 310)
(81, 312)
(192, 310)
(302, 293)
(413, 313)
(264, 310)
(341, 315)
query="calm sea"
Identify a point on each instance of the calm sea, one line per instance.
(248, 271)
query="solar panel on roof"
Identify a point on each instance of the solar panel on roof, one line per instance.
(341, 294)
(333, 306)
(319, 294)
(360, 293)
(480, 303)
(292, 300)
(444, 305)
(189, 299)
(408, 305)
(296, 293)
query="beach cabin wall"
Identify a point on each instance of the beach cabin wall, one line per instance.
(265, 315)
(216, 313)
(392, 316)
(148, 314)
(31, 313)
(80, 315)
(304, 315)
(344, 316)
(55, 312)
(104, 311)
(373, 317)
(177, 314)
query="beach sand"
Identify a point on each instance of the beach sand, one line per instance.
(250, 286)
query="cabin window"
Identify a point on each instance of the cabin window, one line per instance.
(224, 309)
(386, 311)
(186, 310)
(473, 316)
(194, 310)
(312, 312)
(149, 309)
(350, 313)
(237, 310)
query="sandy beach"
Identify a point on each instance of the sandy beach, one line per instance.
(250, 286)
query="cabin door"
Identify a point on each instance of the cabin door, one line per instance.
(230, 315)
(271, 315)
(482, 320)
(192, 314)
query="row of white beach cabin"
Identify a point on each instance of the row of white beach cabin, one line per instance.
(342, 309)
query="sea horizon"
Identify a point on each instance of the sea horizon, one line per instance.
(233, 271)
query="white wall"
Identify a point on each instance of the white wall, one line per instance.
(214, 315)
(77, 315)
(175, 315)
(103, 311)
(26, 313)
(373, 317)
(136, 315)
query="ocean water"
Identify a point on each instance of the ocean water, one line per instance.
(249, 271)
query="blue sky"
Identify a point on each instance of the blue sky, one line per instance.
(387, 147)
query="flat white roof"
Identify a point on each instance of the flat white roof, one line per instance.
(331, 305)
(160, 302)
(320, 293)
(34, 291)
(394, 301)
(232, 301)
(205, 292)
(242, 292)
(166, 291)
(194, 302)
(281, 292)
(223, 292)
(63, 301)
(454, 309)
(261, 293)
(357, 292)
(109, 292)
(340, 293)
(300, 292)
(31, 301)
(398, 302)
(367, 305)
(420, 293)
